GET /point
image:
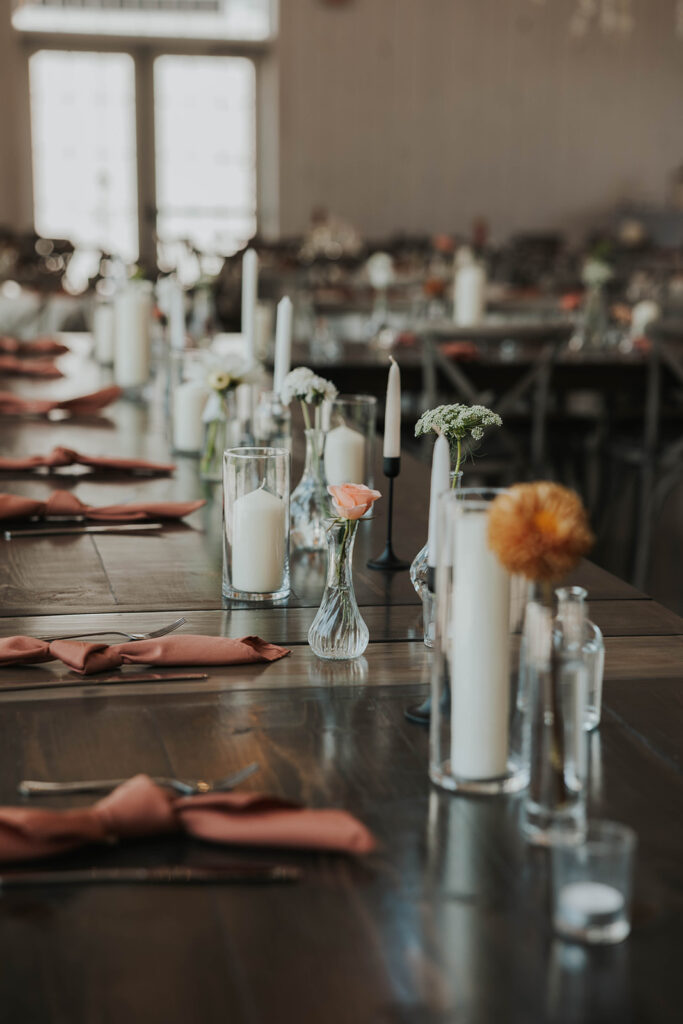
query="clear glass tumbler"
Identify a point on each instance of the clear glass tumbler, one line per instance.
(592, 884)
(256, 485)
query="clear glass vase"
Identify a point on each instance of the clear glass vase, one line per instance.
(554, 673)
(338, 632)
(272, 422)
(421, 578)
(592, 650)
(221, 431)
(310, 504)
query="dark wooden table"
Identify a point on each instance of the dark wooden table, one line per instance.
(448, 921)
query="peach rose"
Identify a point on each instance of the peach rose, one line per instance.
(351, 501)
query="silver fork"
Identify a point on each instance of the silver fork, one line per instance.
(186, 787)
(116, 632)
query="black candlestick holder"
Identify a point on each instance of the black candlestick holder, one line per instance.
(387, 561)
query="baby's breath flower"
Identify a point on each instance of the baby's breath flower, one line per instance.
(455, 422)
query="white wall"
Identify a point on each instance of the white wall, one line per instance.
(420, 114)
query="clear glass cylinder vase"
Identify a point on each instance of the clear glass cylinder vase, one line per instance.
(592, 650)
(256, 524)
(310, 504)
(338, 632)
(423, 580)
(554, 673)
(476, 726)
(350, 422)
(222, 430)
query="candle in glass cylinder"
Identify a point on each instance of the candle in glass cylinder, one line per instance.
(470, 288)
(132, 312)
(103, 333)
(392, 413)
(259, 531)
(189, 400)
(480, 654)
(345, 456)
(249, 293)
(283, 343)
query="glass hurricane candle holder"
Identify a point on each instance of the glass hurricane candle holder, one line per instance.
(349, 446)
(592, 885)
(476, 726)
(188, 394)
(256, 524)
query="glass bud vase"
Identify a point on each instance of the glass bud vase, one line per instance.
(310, 505)
(592, 650)
(420, 578)
(272, 422)
(555, 678)
(221, 431)
(338, 632)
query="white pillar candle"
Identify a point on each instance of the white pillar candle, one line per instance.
(392, 413)
(469, 298)
(132, 313)
(480, 654)
(345, 456)
(103, 333)
(176, 315)
(283, 343)
(642, 314)
(189, 400)
(441, 473)
(249, 293)
(259, 531)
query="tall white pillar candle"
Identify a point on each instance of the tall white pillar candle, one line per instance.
(103, 333)
(249, 293)
(259, 530)
(392, 413)
(480, 653)
(283, 343)
(469, 299)
(441, 470)
(345, 456)
(132, 314)
(189, 400)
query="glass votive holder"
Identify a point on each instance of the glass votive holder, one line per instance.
(592, 884)
(256, 483)
(349, 446)
(272, 422)
(476, 741)
(188, 394)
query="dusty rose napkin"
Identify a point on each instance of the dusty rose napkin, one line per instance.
(139, 808)
(63, 503)
(87, 658)
(37, 347)
(12, 366)
(84, 405)
(59, 457)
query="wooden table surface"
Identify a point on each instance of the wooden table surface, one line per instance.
(447, 922)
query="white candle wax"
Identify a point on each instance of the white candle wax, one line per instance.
(345, 456)
(249, 293)
(132, 311)
(589, 904)
(283, 343)
(189, 400)
(441, 468)
(470, 285)
(103, 333)
(480, 654)
(392, 413)
(259, 531)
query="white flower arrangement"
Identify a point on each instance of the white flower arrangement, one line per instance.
(310, 389)
(455, 422)
(595, 272)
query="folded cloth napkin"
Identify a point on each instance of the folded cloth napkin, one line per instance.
(65, 504)
(12, 366)
(87, 658)
(84, 405)
(464, 350)
(139, 808)
(37, 347)
(59, 457)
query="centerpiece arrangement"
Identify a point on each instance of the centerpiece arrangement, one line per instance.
(221, 416)
(309, 508)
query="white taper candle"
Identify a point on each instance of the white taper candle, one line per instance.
(283, 343)
(441, 468)
(249, 294)
(392, 413)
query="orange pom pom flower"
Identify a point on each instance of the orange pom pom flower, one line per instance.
(539, 530)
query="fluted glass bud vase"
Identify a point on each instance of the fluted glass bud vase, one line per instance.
(555, 679)
(310, 504)
(338, 632)
(423, 580)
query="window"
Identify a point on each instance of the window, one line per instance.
(84, 160)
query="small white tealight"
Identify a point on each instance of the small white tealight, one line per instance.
(586, 905)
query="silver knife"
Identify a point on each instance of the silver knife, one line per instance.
(235, 874)
(48, 531)
(124, 677)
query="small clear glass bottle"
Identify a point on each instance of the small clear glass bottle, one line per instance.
(593, 650)
(310, 505)
(338, 632)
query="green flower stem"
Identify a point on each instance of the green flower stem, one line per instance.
(307, 421)
(210, 446)
(348, 533)
(457, 462)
